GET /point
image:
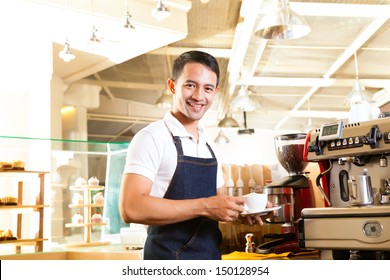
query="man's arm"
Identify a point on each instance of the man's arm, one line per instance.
(137, 206)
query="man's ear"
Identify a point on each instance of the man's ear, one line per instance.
(171, 85)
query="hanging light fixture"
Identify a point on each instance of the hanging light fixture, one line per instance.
(309, 126)
(243, 101)
(160, 12)
(66, 54)
(165, 101)
(282, 23)
(360, 101)
(127, 24)
(358, 94)
(228, 121)
(221, 138)
(246, 130)
(94, 40)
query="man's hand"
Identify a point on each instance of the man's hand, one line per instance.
(254, 219)
(223, 208)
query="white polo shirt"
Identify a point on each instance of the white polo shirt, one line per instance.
(152, 153)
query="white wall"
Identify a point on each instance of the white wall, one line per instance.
(25, 110)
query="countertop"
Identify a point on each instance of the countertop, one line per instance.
(120, 252)
(104, 252)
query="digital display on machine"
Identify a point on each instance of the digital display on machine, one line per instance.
(331, 131)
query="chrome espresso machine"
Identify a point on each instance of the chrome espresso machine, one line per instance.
(355, 182)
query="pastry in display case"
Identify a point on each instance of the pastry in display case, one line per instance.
(98, 198)
(77, 199)
(7, 235)
(5, 165)
(93, 182)
(81, 182)
(97, 217)
(12, 165)
(9, 200)
(77, 219)
(18, 165)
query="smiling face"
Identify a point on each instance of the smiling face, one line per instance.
(194, 92)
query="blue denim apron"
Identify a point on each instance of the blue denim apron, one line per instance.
(195, 239)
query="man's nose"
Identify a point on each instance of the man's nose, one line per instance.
(198, 94)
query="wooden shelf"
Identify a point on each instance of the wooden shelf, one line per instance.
(86, 187)
(20, 208)
(93, 243)
(26, 242)
(23, 171)
(87, 206)
(85, 224)
(13, 207)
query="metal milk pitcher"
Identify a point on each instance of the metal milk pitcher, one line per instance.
(360, 190)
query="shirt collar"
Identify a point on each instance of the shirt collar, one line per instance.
(177, 129)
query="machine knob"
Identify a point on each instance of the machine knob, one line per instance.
(373, 137)
(316, 146)
(313, 148)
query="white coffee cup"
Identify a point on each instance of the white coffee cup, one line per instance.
(255, 202)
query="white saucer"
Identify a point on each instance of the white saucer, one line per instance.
(264, 212)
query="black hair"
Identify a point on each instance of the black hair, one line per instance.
(195, 56)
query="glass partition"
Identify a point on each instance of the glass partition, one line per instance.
(67, 161)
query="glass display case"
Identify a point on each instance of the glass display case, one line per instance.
(66, 163)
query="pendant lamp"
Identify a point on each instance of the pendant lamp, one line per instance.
(243, 101)
(221, 138)
(160, 12)
(228, 121)
(358, 94)
(309, 126)
(282, 23)
(165, 101)
(66, 54)
(127, 24)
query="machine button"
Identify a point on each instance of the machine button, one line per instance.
(372, 229)
(350, 141)
(357, 140)
(338, 143)
(345, 142)
(386, 137)
(332, 144)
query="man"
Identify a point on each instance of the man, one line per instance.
(172, 181)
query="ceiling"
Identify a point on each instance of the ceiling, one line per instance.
(293, 79)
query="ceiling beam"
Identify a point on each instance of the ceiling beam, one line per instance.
(118, 84)
(118, 118)
(176, 51)
(364, 36)
(106, 89)
(311, 82)
(255, 81)
(340, 10)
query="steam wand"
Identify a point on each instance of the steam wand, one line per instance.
(318, 183)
